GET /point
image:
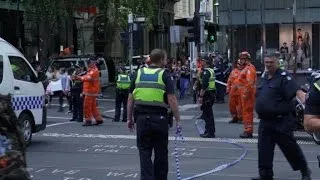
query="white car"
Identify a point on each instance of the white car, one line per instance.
(70, 61)
(18, 78)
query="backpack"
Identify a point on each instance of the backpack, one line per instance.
(12, 146)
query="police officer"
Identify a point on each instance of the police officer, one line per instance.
(207, 97)
(77, 99)
(148, 91)
(122, 92)
(275, 92)
(312, 110)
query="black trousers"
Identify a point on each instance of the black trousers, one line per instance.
(207, 112)
(220, 93)
(77, 103)
(121, 99)
(269, 136)
(152, 134)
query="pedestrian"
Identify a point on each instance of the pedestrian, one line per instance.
(151, 90)
(234, 93)
(122, 92)
(77, 99)
(184, 79)
(91, 88)
(207, 97)
(247, 85)
(274, 106)
(219, 69)
(65, 83)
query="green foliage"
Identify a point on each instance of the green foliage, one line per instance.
(113, 12)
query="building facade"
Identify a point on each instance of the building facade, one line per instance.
(252, 24)
(184, 13)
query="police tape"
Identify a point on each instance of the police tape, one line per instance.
(178, 134)
(220, 82)
(217, 169)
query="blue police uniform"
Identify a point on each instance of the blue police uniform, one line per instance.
(274, 106)
(313, 100)
(221, 89)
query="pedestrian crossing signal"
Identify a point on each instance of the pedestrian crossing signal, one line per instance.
(212, 34)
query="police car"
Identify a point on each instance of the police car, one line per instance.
(18, 78)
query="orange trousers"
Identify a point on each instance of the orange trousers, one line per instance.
(90, 109)
(235, 106)
(247, 104)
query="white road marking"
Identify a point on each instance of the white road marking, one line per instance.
(171, 138)
(102, 99)
(57, 124)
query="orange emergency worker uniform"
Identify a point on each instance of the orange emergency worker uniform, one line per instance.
(91, 89)
(247, 84)
(234, 94)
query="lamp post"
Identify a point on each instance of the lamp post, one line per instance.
(294, 9)
(216, 5)
(18, 31)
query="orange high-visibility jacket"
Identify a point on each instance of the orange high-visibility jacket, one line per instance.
(248, 78)
(233, 82)
(91, 82)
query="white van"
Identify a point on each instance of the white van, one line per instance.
(70, 61)
(18, 78)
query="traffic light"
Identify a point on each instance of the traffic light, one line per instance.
(195, 30)
(212, 34)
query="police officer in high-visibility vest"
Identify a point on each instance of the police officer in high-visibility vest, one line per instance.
(122, 92)
(207, 97)
(150, 89)
(77, 99)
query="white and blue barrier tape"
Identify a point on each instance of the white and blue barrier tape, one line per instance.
(217, 169)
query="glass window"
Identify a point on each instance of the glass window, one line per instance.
(101, 65)
(21, 70)
(1, 69)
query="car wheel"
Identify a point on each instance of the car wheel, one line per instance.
(316, 137)
(27, 123)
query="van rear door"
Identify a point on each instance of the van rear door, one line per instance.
(104, 78)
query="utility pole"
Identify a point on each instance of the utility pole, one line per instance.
(130, 24)
(246, 23)
(263, 30)
(18, 30)
(202, 16)
(196, 15)
(294, 10)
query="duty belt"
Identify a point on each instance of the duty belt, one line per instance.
(263, 116)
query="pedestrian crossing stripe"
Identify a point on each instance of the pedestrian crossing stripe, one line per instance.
(171, 138)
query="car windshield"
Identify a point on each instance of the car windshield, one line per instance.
(67, 63)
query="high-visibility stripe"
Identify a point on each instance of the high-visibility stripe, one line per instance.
(150, 103)
(150, 85)
(316, 84)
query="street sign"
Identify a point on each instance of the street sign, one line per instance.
(174, 34)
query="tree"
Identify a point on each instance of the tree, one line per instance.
(113, 13)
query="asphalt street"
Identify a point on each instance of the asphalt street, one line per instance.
(68, 151)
